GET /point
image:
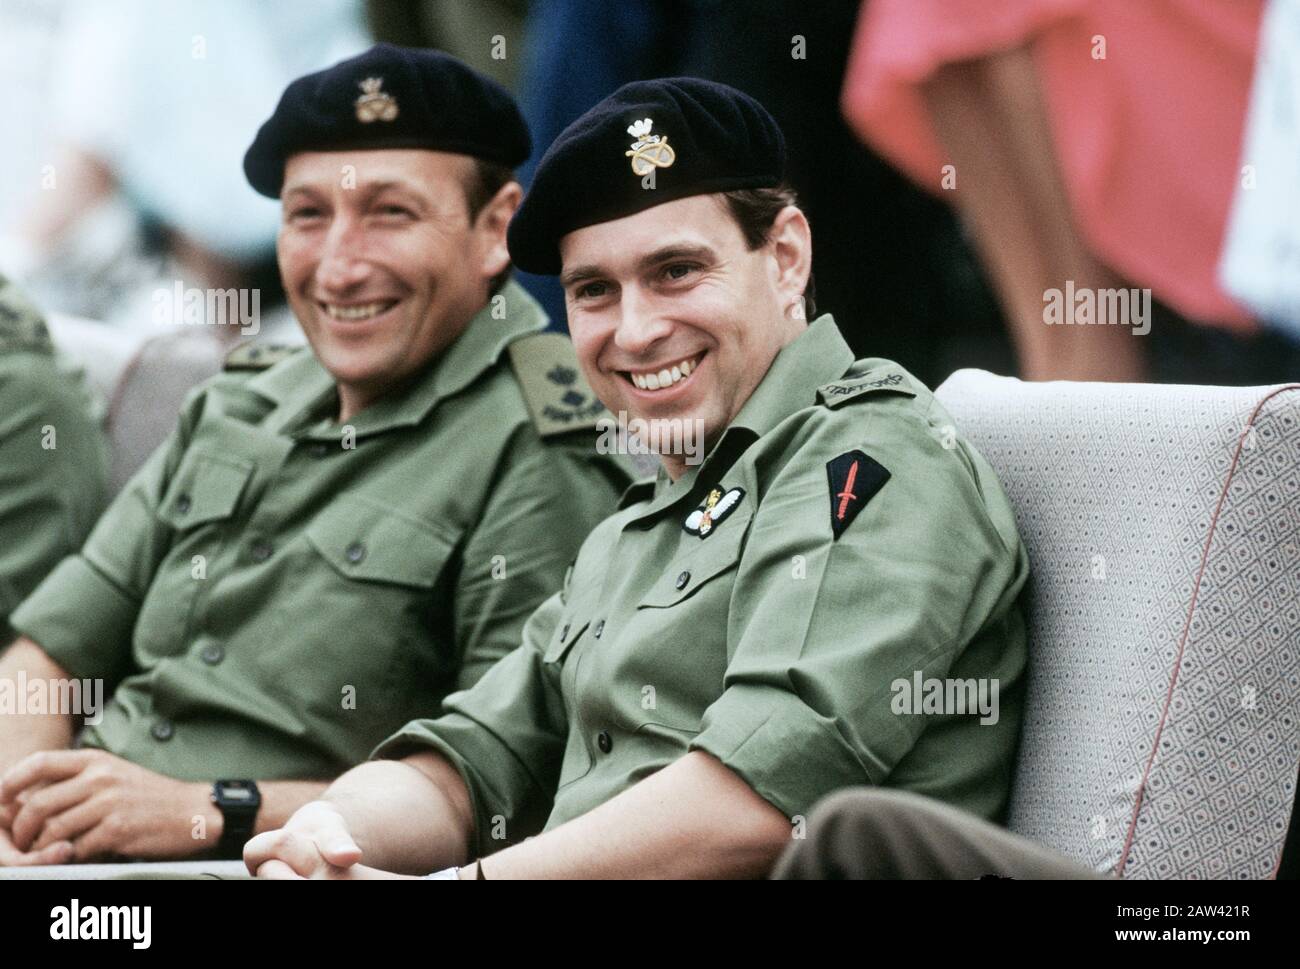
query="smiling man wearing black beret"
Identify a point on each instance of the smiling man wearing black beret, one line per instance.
(334, 538)
(729, 646)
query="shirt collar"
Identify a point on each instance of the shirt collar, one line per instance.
(818, 356)
(300, 387)
(814, 358)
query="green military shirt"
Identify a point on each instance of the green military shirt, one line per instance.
(53, 456)
(272, 594)
(759, 635)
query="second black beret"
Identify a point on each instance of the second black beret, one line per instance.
(648, 143)
(389, 97)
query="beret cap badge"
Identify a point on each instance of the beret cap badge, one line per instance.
(648, 151)
(722, 140)
(374, 104)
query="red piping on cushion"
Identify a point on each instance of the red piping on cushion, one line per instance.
(1182, 642)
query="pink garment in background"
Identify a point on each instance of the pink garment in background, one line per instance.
(1148, 140)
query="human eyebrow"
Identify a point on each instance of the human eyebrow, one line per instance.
(580, 274)
(676, 253)
(298, 193)
(400, 190)
(670, 253)
(371, 189)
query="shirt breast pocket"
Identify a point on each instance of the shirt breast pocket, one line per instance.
(677, 640)
(202, 495)
(370, 609)
(366, 541)
(563, 664)
(695, 568)
(206, 488)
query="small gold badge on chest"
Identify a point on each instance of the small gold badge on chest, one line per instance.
(717, 506)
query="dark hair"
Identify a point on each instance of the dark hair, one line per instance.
(755, 210)
(486, 179)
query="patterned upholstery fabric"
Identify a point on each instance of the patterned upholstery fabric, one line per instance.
(141, 380)
(1162, 730)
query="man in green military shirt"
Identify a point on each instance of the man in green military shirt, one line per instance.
(53, 456)
(733, 643)
(332, 539)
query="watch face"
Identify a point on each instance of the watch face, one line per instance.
(234, 794)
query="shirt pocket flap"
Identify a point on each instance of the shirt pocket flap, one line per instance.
(715, 556)
(577, 615)
(366, 541)
(206, 487)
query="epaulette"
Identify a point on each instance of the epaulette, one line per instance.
(558, 398)
(258, 356)
(21, 324)
(881, 380)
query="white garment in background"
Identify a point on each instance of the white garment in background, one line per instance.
(171, 92)
(1261, 257)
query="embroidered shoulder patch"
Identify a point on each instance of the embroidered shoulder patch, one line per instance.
(851, 388)
(717, 506)
(558, 398)
(854, 480)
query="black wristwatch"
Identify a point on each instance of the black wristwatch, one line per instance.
(239, 802)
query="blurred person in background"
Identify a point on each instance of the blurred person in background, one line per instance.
(1088, 147)
(53, 455)
(148, 107)
(488, 35)
(1261, 258)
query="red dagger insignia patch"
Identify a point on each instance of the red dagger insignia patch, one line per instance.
(854, 479)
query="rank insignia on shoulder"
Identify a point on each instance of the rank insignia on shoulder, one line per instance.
(717, 506)
(21, 325)
(850, 388)
(854, 479)
(258, 356)
(558, 399)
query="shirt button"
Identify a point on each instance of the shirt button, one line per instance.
(600, 628)
(605, 742)
(213, 653)
(261, 551)
(564, 633)
(319, 449)
(183, 504)
(355, 552)
(683, 579)
(162, 730)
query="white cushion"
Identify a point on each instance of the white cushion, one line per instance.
(1162, 727)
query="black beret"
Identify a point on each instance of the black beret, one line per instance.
(696, 136)
(389, 97)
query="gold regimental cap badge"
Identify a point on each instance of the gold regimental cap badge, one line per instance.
(648, 151)
(374, 104)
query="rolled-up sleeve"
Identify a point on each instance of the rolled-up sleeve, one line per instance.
(53, 474)
(822, 627)
(505, 736)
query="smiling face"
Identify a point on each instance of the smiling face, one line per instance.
(674, 317)
(382, 263)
